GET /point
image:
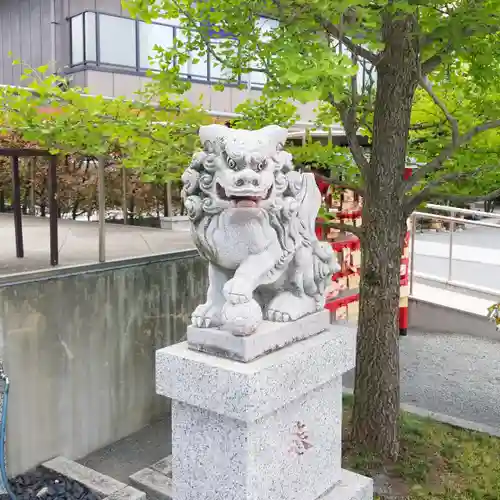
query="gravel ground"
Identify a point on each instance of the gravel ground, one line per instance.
(450, 374)
(44, 485)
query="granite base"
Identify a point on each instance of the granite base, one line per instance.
(157, 481)
(269, 429)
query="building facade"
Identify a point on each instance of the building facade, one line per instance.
(98, 46)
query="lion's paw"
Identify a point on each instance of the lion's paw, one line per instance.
(237, 291)
(206, 316)
(287, 307)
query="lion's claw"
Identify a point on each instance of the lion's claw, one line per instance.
(206, 316)
(278, 316)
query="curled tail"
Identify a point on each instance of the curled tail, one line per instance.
(315, 261)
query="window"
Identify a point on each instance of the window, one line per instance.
(265, 26)
(107, 40)
(198, 66)
(90, 37)
(149, 36)
(117, 41)
(77, 40)
(220, 46)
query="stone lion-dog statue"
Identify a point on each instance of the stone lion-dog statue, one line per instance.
(253, 218)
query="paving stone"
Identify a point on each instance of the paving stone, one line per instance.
(164, 466)
(127, 493)
(93, 480)
(156, 485)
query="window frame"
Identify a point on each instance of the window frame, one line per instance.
(137, 69)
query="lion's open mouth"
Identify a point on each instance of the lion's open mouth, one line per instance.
(243, 200)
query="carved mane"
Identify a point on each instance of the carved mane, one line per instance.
(198, 198)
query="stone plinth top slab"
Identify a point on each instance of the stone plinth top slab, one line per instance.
(248, 391)
(269, 337)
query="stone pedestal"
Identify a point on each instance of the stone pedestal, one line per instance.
(269, 429)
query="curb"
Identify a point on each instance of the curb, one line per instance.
(444, 419)
(97, 483)
(155, 480)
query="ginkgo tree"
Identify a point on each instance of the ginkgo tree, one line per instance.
(363, 60)
(155, 134)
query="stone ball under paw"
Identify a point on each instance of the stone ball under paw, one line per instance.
(241, 319)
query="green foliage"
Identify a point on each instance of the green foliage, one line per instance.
(264, 111)
(471, 102)
(155, 134)
(335, 159)
(459, 46)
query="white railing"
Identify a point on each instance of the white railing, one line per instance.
(452, 219)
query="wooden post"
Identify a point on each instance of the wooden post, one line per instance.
(124, 194)
(53, 212)
(169, 199)
(102, 209)
(16, 199)
(32, 185)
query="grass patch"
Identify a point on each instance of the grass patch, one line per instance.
(437, 462)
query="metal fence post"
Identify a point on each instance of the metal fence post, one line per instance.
(102, 208)
(450, 250)
(412, 250)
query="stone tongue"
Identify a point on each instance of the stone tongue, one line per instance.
(246, 203)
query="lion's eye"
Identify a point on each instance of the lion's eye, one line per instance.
(261, 166)
(231, 163)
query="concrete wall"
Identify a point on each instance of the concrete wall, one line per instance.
(24, 31)
(79, 351)
(428, 317)
(124, 85)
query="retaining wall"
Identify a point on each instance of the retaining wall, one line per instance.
(78, 346)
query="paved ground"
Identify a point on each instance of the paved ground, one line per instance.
(78, 243)
(137, 451)
(476, 257)
(450, 374)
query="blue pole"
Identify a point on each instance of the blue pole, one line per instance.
(4, 480)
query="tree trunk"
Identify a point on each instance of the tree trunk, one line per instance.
(376, 391)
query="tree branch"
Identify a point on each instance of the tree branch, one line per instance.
(448, 151)
(415, 200)
(348, 116)
(426, 85)
(464, 199)
(466, 31)
(429, 65)
(335, 31)
(427, 193)
(357, 230)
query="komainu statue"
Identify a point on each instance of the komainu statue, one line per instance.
(253, 218)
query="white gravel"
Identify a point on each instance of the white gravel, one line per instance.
(451, 374)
